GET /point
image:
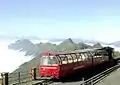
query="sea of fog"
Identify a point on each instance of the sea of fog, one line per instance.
(10, 59)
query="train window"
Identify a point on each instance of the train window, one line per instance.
(74, 57)
(84, 56)
(79, 57)
(96, 54)
(70, 60)
(59, 60)
(99, 54)
(63, 59)
(48, 60)
(53, 60)
(104, 53)
(89, 55)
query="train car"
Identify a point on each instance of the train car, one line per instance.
(59, 65)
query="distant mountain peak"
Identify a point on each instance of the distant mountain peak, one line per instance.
(69, 40)
(97, 45)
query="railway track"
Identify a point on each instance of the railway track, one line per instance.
(91, 81)
(95, 79)
(43, 81)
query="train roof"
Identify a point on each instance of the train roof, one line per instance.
(76, 51)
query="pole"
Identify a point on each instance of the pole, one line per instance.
(19, 77)
(33, 73)
(6, 79)
(83, 81)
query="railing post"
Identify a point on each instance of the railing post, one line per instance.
(19, 77)
(33, 73)
(5, 79)
(83, 82)
(2, 83)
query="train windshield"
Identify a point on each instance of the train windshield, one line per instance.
(48, 60)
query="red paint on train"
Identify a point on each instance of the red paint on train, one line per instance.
(56, 66)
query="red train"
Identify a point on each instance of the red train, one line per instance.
(60, 65)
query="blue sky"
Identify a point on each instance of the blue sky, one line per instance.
(89, 19)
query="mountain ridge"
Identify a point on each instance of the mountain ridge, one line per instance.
(31, 48)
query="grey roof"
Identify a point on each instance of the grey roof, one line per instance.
(78, 51)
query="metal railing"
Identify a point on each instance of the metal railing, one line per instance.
(95, 79)
(19, 78)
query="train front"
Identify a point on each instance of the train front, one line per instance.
(49, 66)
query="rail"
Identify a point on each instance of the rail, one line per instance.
(43, 81)
(19, 78)
(93, 80)
(31, 78)
(24, 78)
